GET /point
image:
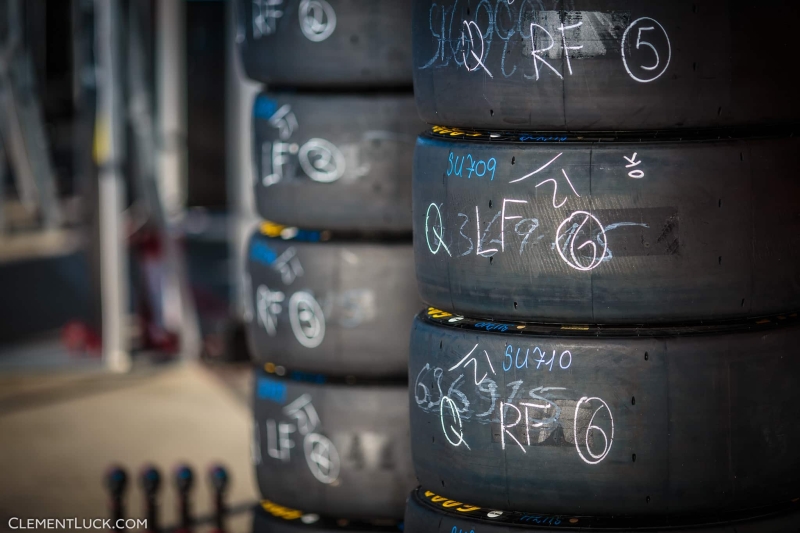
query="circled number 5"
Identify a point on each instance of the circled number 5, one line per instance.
(646, 24)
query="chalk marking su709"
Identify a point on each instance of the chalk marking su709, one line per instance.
(580, 239)
(479, 167)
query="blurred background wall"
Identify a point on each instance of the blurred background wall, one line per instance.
(68, 129)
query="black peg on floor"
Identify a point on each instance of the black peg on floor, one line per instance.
(219, 479)
(117, 484)
(150, 480)
(184, 482)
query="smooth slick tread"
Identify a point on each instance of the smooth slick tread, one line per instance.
(335, 162)
(336, 308)
(659, 425)
(603, 64)
(336, 450)
(326, 43)
(608, 233)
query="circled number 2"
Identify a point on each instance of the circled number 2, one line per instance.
(643, 26)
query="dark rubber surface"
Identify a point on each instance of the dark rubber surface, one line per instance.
(337, 308)
(335, 450)
(337, 162)
(326, 43)
(270, 517)
(428, 512)
(628, 64)
(647, 232)
(676, 423)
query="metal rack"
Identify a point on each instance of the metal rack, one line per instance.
(113, 96)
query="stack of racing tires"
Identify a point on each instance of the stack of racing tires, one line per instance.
(330, 278)
(606, 222)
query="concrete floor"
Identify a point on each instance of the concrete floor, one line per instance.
(59, 432)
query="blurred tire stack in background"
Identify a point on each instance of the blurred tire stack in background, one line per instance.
(328, 281)
(599, 353)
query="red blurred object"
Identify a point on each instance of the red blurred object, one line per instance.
(148, 252)
(80, 339)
